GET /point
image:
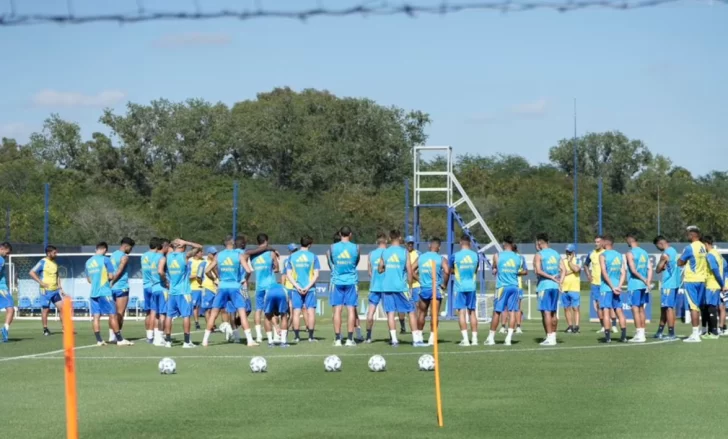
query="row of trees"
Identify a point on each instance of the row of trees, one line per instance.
(310, 161)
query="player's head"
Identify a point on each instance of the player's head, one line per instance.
(631, 239)
(178, 245)
(196, 253)
(306, 241)
(51, 252)
(395, 237)
(229, 241)
(211, 251)
(464, 241)
(337, 236)
(262, 239)
(241, 241)
(515, 247)
(381, 239)
(598, 243)
(693, 233)
(508, 243)
(607, 241)
(5, 248)
(661, 243)
(542, 241)
(708, 241)
(570, 249)
(153, 243)
(345, 233)
(435, 243)
(102, 248)
(410, 242)
(127, 244)
(164, 245)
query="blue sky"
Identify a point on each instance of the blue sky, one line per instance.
(492, 82)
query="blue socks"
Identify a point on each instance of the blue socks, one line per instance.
(297, 332)
(660, 329)
(671, 331)
(187, 337)
(351, 336)
(369, 334)
(338, 337)
(98, 337)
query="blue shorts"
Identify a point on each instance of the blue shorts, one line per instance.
(303, 301)
(103, 306)
(668, 297)
(595, 293)
(206, 300)
(276, 304)
(520, 294)
(396, 302)
(712, 297)
(415, 295)
(465, 300)
(196, 298)
(548, 300)
(120, 293)
(695, 295)
(344, 295)
(571, 299)
(609, 300)
(160, 301)
(148, 299)
(638, 298)
(426, 294)
(375, 297)
(6, 299)
(232, 295)
(506, 299)
(179, 305)
(49, 297)
(260, 300)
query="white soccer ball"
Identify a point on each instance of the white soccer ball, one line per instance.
(258, 364)
(167, 366)
(332, 363)
(426, 363)
(377, 364)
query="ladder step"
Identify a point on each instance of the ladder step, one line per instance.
(458, 202)
(472, 223)
(432, 189)
(436, 173)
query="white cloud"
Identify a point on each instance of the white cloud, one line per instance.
(15, 130)
(54, 98)
(193, 39)
(535, 108)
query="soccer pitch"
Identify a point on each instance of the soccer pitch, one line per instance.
(580, 388)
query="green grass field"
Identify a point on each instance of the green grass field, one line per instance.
(578, 389)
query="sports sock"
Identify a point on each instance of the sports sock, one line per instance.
(660, 329)
(491, 335)
(614, 323)
(150, 334)
(112, 336)
(310, 334)
(393, 335)
(624, 332)
(206, 337)
(269, 336)
(475, 337)
(168, 338)
(118, 336)
(431, 338)
(671, 331)
(369, 334)
(248, 335)
(713, 319)
(350, 336)
(358, 332)
(98, 337)
(401, 324)
(576, 328)
(296, 332)
(284, 335)
(258, 333)
(464, 333)
(236, 334)
(187, 337)
(608, 334)
(510, 332)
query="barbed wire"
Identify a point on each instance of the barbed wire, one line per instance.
(15, 17)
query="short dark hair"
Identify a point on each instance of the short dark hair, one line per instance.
(608, 237)
(101, 245)
(345, 231)
(515, 247)
(708, 239)
(464, 237)
(542, 237)
(508, 239)
(394, 234)
(435, 239)
(381, 236)
(161, 243)
(262, 238)
(128, 241)
(337, 237)
(241, 241)
(631, 235)
(306, 241)
(658, 238)
(50, 248)
(153, 243)
(6, 245)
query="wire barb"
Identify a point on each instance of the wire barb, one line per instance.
(365, 9)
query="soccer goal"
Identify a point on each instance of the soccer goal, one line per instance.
(72, 272)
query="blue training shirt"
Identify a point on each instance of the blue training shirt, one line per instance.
(376, 283)
(394, 278)
(550, 261)
(614, 262)
(671, 273)
(464, 264)
(641, 265)
(425, 268)
(263, 267)
(302, 266)
(149, 268)
(345, 257)
(229, 269)
(177, 274)
(123, 282)
(98, 268)
(509, 264)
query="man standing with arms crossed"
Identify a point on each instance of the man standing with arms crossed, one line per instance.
(570, 282)
(375, 282)
(667, 265)
(638, 285)
(303, 271)
(613, 276)
(120, 282)
(694, 259)
(45, 272)
(546, 266)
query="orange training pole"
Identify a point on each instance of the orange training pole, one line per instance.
(435, 318)
(71, 396)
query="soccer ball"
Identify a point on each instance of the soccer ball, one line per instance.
(377, 364)
(226, 329)
(167, 366)
(332, 363)
(258, 364)
(426, 363)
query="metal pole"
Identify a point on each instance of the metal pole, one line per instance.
(658, 209)
(599, 203)
(235, 209)
(7, 223)
(450, 250)
(576, 188)
(407, 208)
(46, 219)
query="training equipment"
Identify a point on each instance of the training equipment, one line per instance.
(258, 365)
(377, 364)
(167, 366)
(332, 363)
(426, 363)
